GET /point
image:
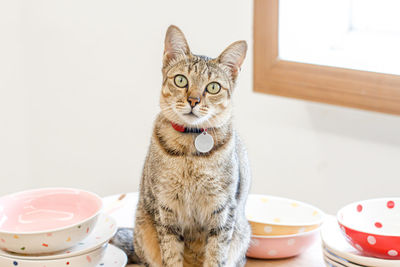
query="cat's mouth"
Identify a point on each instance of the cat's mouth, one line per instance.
(191, 114)
(192, 118)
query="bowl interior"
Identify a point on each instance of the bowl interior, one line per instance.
(376, 216)
(281, 211)
(46, 209)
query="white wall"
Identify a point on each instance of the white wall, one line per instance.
(79, 88)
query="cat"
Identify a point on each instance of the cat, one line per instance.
(191, 203)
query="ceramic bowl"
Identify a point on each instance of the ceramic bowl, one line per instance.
(275, 247)
(103, 231)
(47, 220)
(276, 216)
(335, 243)
(373, 227)
(90, 259)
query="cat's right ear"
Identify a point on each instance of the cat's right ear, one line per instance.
(175, 46)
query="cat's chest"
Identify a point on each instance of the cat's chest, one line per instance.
(195, 187)
(192, 176)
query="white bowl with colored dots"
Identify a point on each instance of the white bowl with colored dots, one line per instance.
(103, 231)
(47, 220)
(91, 259)
(277, 247)
(373, 227)
(276, 216)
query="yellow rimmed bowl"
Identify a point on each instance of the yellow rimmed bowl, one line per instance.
(277, 216)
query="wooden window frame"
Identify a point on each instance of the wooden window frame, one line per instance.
(346, 87)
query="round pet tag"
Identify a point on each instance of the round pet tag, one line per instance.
(204, 142)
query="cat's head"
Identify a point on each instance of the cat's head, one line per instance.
(197, 90)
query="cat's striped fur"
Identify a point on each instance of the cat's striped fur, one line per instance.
(191, 204)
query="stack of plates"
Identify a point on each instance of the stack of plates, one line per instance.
(93, 249)
(338, 252)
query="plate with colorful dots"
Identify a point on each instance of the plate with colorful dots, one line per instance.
(90, 259)
(335, 242)
(122, 207)
(114, 257)
(104, 230)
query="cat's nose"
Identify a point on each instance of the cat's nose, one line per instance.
(193, 101)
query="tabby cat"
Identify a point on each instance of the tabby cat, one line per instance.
(191, 204)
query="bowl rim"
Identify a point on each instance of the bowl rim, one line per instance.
(59, 229)
(288, 236)
(368, 233)
(338, 219)
(317, 222)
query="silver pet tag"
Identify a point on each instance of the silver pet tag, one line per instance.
(204, 142)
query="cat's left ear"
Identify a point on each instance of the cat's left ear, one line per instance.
(175, 45)
(233, 57)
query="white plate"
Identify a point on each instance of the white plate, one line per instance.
(332, 263)
(90, 259)
(103, 231)
(105, 256)
(122, 207)
(337, 259)
(334, 241)
(114, 257)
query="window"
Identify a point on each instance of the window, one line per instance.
(343, 52)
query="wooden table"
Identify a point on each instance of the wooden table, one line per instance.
(310, 258)
(121, 207)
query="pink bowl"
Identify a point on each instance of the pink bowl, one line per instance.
(373, 227)
(46, 220)
(275, 247)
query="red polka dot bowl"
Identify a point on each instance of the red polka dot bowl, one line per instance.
(276, 247)
(373, 227)
(43, 221)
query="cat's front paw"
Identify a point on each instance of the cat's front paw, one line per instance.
(215, 263)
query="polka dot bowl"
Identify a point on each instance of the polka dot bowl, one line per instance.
(90, 259)
(276, 216)
(47, 220)
(373, 227)
(275, 247)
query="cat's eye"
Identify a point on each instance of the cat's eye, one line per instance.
(180, 81)
(213, 88)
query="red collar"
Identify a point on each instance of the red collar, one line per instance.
(183, 129)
